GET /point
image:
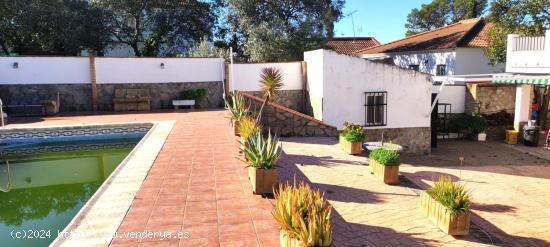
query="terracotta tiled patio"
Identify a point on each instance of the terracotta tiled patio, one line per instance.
(197, 185)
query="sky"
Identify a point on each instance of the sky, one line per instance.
(382, 19)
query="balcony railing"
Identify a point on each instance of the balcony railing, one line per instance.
(528, 43)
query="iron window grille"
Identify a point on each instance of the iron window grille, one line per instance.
(376, 108)
(441, 70)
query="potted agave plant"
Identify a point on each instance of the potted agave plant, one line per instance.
(236, 106)
(303, 216)
(384, 164)
(352, 138)
(447, 205)
(248, 127)
(262, 154)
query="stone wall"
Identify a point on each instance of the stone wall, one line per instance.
(286, 122)
(162, 94)
(491, 98)
(72, 97)
(292, 99)
(413, 140)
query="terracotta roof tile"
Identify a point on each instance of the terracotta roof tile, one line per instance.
(350, 45)
(466, 33)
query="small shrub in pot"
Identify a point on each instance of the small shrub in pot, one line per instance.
(384, 164)
(351, 138)
(262, 155)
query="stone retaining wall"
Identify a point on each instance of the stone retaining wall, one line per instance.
(288, 98)
(286, 122)
(491, 98)
(413, 140)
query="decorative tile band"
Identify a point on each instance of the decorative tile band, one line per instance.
(10, 137)
(62, 147)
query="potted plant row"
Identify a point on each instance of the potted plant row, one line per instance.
(384, 164)
(303, 216)
(352, 137)
(261, 155)
(473, 125)
(447, 205)
(237, 108)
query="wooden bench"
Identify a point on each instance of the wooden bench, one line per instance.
(132, 100)
(183, 102)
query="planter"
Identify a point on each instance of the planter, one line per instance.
(442, 217)
(235, 127)
(481, 137)
(388, 174)
(288, 241)
(263, 180)
(350, 147)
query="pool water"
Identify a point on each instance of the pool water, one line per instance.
(45, 185)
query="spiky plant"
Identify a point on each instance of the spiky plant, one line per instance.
(236, 106)
(452, 195)
(262, 153)
(271, 80)
(303, 214)
(248, 127)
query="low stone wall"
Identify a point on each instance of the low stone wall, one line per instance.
(292, 99)
(72, 97)
(286, 122)
(413, 140)
(491, 98)
(162, 94)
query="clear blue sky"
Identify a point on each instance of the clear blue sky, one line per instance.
(382, 19)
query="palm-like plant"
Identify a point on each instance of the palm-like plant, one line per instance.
(262, 153)
(271, 80)
(236, 106)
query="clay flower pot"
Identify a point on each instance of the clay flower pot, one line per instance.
(442, 217)
(350, 147)
(263, 180)
(387, 173)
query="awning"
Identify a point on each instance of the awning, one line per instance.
(522, 79)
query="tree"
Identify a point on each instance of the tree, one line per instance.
(206, 49)
(439, 13)
(281, 30)
(154, 28)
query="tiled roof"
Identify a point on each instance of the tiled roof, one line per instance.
(465, 33)
(350, 45)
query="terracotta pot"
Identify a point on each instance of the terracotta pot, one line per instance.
(388, 174)
(442, 217)
(288, 241)
(235, 128)
(263, 180)
(350, 147)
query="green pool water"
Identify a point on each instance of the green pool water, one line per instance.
(49, 185)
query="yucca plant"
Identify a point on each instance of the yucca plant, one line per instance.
(452, 195)
(303, 214)
(236, 106)
(262, 153)
(271, 80)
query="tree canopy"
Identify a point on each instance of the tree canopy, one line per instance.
(439, 13)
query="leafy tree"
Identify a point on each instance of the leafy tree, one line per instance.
(439, 13)
(526, 17)
(281, 30)
(206, 49)
(154, 28)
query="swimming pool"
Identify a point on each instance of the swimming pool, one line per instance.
(47, 175)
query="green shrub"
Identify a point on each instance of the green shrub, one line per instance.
(353, 132)
(452, 195)
(262, 153)
(471, 124)
(194, 94)
(387, 157)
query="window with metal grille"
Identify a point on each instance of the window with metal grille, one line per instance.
(376, 109)
(441, 69)
(414, 67)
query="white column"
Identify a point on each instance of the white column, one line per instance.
(522, 112)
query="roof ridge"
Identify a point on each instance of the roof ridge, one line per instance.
(418, 34)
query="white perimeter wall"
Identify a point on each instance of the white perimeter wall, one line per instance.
(454, 95)
(246, 77)
(345, 79)
(76, 70)
(446, 57)
(474, 61)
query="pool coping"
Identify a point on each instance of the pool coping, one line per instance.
(98, 220)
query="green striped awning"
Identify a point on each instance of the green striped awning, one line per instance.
(523, 80)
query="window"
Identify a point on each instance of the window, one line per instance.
(375, 108)
(441, 69)
(414, 67)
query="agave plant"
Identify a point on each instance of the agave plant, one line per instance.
(271, 80)
(236, 106)
(452, 195)
(303, 214)
(262, 153)
(248, 127)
